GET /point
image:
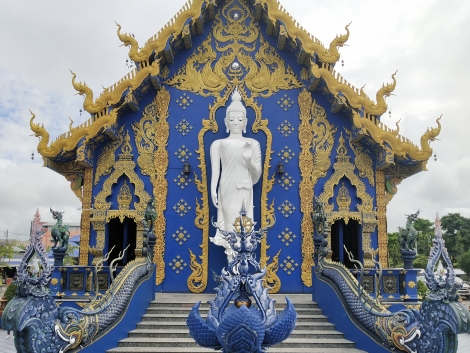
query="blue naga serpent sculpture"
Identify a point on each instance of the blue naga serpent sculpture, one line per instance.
(242, 327)
(431, 329)
(39, 325)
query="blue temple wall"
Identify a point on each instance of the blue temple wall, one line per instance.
(181, 200)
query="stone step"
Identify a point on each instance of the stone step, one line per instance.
(163, 328)
(204, 311)
(204, 305)
(274, 349)
(189, 342)
(184, 333)
(182, 324)
(183, 317)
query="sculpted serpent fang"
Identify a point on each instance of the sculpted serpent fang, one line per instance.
(40, 325)
(432, 329)
(65, 144)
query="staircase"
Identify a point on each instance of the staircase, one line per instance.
(163, 327)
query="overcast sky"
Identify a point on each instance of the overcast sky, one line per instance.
(426, 41)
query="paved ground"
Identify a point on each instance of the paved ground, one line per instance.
(7, 345)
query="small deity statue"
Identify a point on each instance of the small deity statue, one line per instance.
(240, 159)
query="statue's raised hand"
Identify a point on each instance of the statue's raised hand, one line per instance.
(247, 152)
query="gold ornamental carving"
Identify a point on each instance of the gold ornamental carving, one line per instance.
(151, 138)
(124, 197)
(123, 166)
(277, 14)
(343, 200)
(316, 137)
(357, 99)
(306, 185)
(107, 157)
(112, 96)
(266, 74)
(172, 29)
(344, 168)
(362, 160)
(382, 217)
(85, 219)
(322, 142)
(399, 146)
(193, 11)
(206, 75)
(98, 250)
(69, 141)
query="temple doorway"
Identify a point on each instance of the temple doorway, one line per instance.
(121, 234)
(343, 234)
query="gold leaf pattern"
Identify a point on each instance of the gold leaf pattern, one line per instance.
(151, 137)
(362, 161)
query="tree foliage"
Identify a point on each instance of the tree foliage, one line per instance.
(10, 292)
(425, 229)
(464, 262)
(394, 256)
(6, 253)
(456, 234)
(421, 261)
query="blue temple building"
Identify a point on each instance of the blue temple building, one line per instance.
(319, 169)
(328, 168)
(149, 135)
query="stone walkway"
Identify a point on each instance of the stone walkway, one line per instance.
(8, 345)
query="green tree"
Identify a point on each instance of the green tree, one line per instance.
(456, 234)
(425, 231)
(464, 262)
(421, 261)
(394, 255)
(69, 260)
(6, 253)
(422, 290)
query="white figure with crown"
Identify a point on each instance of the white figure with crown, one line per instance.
(236, 167)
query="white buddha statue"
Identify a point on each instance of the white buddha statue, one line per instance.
(240, 159)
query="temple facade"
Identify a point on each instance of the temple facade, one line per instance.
(149, 137)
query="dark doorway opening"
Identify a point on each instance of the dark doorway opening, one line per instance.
(343, 234)
(120, 235)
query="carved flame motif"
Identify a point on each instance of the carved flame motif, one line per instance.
(151, 138)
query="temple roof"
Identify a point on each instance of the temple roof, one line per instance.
(69, 152)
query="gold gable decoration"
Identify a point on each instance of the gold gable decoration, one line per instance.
(193, 10)
(203, 74)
